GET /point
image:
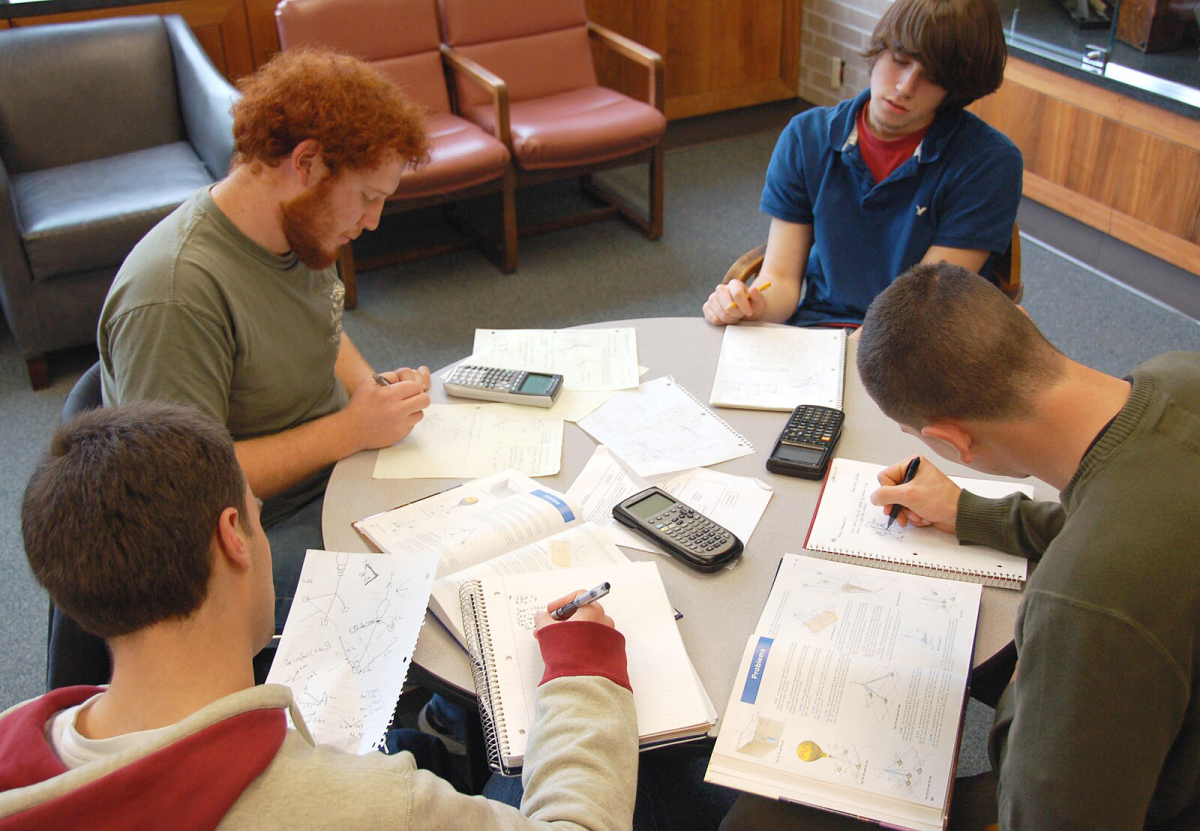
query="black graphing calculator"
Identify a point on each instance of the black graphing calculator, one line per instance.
(806, 444)
(510, 386)
(683, 532)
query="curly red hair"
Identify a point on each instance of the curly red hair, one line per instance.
(356, 114)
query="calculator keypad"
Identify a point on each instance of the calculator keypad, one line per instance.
(486, 377)
(690, 529)
(812, 426)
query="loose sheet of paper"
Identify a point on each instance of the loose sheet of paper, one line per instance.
(348, 640)
(457, 441)
(778, 367)
(848, 523)
(660, 428)
(734, 502)
(587, 359)
(571, 405)
(583, 546)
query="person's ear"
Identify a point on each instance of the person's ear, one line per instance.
(306, 163)
(231, 540)
(954, 436)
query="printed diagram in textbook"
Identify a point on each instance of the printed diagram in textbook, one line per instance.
(846, 761)
(943, 599)
(905, 772)
(921, 637)
(879, 690)
(840, 582)
(760, 736)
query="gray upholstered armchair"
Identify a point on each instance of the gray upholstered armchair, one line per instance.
(105, 127)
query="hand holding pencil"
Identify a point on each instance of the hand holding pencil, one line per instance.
(734, 302)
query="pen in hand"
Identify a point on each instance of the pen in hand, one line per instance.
(909, 473)
(381, 381)
(733, 304)
(565, 611)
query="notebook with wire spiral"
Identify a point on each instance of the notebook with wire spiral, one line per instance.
(498, 616)
(847, 527)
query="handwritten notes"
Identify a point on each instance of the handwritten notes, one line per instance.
(587, 359)
(460, 441)
(765, 367)
(348, 640)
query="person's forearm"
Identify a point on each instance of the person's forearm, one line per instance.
(351, 367)
(277, 462)
(782, 298)
(1014, 524)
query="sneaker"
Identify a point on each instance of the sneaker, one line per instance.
(445, 721)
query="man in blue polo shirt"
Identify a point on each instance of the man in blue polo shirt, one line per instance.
(861, 191)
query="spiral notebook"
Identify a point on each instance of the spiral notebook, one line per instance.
(847, 527)
(498, 616)
(767, 367)
(660, 427)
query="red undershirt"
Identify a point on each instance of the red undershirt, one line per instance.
(880, 155)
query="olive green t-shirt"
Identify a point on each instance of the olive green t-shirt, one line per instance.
(200, 314)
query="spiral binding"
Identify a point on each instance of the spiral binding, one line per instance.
(708, 410)
(483, 670)
(841, 381)
(966, 574)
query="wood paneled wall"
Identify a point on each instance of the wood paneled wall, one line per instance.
(1127, 168)
(718, 54)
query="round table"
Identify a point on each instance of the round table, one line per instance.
(721, 609)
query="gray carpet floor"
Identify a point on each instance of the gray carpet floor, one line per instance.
(426, 312)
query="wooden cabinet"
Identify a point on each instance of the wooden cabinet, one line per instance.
(718, 54)
(1127, 168)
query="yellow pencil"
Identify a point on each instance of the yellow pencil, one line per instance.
(761, 289)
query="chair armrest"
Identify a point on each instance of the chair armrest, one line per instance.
(747, 266)
(490, 81)
(637, 53)
(16, 280)
(205, 98)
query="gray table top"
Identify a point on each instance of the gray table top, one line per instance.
(719, 610)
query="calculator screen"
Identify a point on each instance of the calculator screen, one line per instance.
(798, 454)
(536, 384)
(650, 506)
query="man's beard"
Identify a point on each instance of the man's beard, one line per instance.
(307, 225)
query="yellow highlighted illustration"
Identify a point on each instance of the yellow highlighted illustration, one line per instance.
(809, 751)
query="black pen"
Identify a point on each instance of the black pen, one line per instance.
(909, 473)
(565, 611)
(381, 381)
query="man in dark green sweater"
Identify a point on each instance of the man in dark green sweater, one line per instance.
(1100, 727)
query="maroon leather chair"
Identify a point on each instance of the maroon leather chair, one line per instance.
(401, 39)
(524, 72)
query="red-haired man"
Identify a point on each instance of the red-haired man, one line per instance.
(232, 303)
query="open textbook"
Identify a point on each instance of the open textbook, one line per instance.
(767, 367)
(348, 640)
(850, 694)
(848, 527)
(498, 615)
(501, 524)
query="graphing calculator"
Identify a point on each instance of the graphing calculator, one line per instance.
(685, 533)
(510, 386)
(806, 444)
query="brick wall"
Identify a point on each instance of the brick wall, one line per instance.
(836, 29)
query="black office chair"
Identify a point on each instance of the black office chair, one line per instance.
(74, 656)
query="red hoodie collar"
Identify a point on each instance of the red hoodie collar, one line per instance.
(189, 784)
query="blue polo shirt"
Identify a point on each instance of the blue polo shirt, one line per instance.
(960, 189)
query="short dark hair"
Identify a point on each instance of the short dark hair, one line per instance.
(353, 110)
(959, 42)
(943, 343)
(119, 515)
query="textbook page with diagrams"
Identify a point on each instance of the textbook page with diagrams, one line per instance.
(348, 640)
(848, 527)
(765, 367)
(850, 694)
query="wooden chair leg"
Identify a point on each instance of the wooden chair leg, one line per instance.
(39, 372)
(508, 205)
(656, 193)
(349, 276)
